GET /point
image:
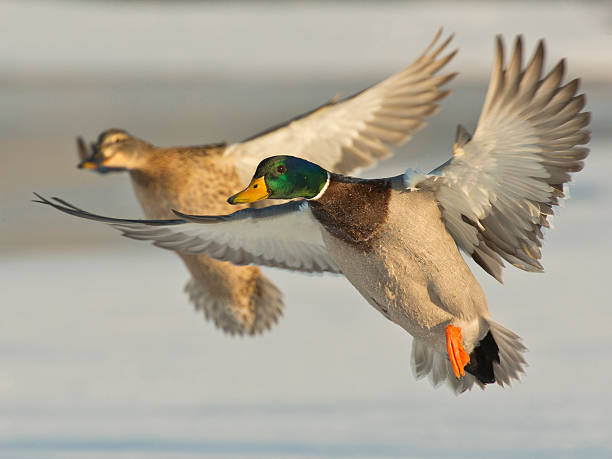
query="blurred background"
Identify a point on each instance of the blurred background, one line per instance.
(101, 355)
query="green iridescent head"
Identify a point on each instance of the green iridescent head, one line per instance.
(283, 177)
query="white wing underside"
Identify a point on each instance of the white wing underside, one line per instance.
(499, 188)
(356, 132)
(283, 236)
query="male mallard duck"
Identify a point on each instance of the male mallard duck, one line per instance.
(342, 136)
(396, 239)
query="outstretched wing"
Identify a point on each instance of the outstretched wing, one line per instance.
(355, 132)
(282, 236)
(498, 190)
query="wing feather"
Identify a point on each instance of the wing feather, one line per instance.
(353, 133)
(499, 189)
(282, 236)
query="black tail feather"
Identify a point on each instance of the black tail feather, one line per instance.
(482, 358)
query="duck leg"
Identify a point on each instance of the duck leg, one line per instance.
(458, 356)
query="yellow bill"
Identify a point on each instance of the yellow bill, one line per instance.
(88, 165)
(256, 191)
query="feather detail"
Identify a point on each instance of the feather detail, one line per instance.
(498, 190)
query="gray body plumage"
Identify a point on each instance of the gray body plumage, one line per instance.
(414, 275)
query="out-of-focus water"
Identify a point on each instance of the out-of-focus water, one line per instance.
(102, 356)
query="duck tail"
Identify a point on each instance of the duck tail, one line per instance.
(262, 309)
(498, 357)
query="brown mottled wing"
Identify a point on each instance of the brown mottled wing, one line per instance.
(498, 190)
(353, 133)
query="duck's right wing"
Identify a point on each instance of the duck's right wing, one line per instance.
(499, 188)
(283, 236)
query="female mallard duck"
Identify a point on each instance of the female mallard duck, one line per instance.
(342, 136)
(396, 239)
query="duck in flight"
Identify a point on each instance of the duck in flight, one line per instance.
(397, 239)
(342, 135)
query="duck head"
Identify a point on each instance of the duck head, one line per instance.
(115, 150)
(284, 177)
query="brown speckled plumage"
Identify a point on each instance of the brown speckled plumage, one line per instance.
(238, 299)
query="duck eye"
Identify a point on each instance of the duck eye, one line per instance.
(255, 186)
(281, 169)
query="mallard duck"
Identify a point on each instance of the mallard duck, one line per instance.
(397, 239)
(341, 135)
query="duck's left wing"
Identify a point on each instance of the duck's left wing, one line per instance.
(283, 236)
(499, 188)
(344, 135)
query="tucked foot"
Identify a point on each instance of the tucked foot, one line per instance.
(457, 354)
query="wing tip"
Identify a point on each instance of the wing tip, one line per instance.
(540, 49)
(462, 137)
(558, 70)
(433, 42)
(518, 42)
(430, 53)
(40, 199)
(499, 41)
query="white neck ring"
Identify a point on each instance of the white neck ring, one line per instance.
(320, 193)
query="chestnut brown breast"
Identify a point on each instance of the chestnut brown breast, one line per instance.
(354, 210)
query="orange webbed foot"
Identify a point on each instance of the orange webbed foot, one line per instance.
(459, 358)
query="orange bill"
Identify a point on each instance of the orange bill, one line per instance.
(89, 156)
(88, 165)
(256, 191)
